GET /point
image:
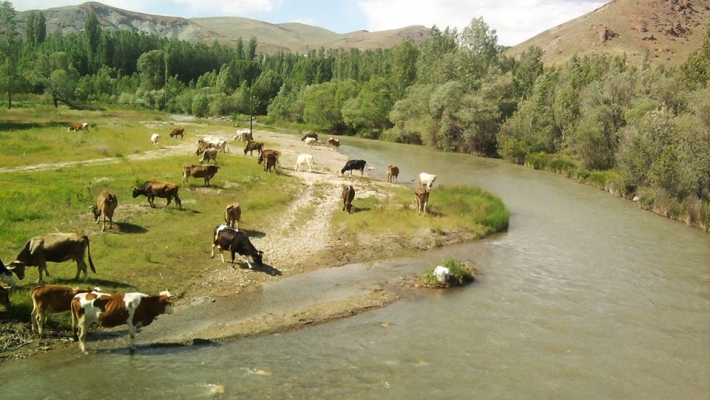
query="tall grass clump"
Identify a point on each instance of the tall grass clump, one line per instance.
(460, 275)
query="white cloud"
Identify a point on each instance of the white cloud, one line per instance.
(514, 20)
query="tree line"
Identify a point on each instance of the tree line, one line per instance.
(636, 130)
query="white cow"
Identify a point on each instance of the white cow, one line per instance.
(442, 274)
(216, 142)
(155, 138)
(426, 180)
(304, 158)
(310, 141)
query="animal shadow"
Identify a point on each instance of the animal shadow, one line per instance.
(126, 227)
(253, 234)
(267, 269)
(360, 209)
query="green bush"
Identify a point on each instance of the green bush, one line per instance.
(461, 274)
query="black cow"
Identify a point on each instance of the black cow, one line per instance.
(251, 146)
(226, 238)
(354, 165)
(153, 189)
(310, 135)
(6, 275)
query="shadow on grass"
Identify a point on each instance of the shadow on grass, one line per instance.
(360, 209)
(93, 282)
(126, 227)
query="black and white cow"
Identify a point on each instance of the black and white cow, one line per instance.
(227, 238)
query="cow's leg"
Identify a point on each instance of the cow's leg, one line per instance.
(34, 320)
(151, 201)
(131, 338)
(82, 334)
(81, 267)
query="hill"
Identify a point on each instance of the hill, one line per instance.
(667, 30)
(287, 37)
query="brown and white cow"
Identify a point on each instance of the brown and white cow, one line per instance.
(253, 145)
(209, 154)
(421, 196)
(215, 142)
(392, 173)
(54, 247)
(110, 310)
(79, 126)
(426, 180)
(199, 171)
(233, 215)
(348, 195)
(153, 189)
(245, 135)
(106, 204)
(178, 132)
(51, 299)
(312, 135)
(334, 143)
(236, 242)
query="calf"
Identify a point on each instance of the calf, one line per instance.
(348, 195)
(54, 247)
(421, 196)
(251, 146)
(155, 139)
(232, 214)
(199, 171)
(226, 238)
(106, 204)
(79, 126)
(426, 180)
(209, 154)
(153, 189)
(178, 132)
(392, 173)
(51, 299)
(110, 310)
(304, 158)
(334, 143)
(354, 165)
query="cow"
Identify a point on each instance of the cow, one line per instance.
(6, 275)
(199, 171)
(226, 238)
(304, 158)
(334, 143)
(426, 180)
(311, 141)
(245, 135)
(392, 173)
(178, 132)
(54, 247)
(354, 165)
(216, 142)
(51, 299)
(110, 310)
(4, 297)
(270, 163)
(421, 196)
(79, 126)
(106, 204)
(153, 189)
(348, 195)
(155, 139)
(442, 274)
(265, 155)
(232, 215)
(209, 154)
(310, 135)
(251, 146)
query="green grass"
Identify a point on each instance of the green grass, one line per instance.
(460, 275)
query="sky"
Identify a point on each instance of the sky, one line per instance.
(513, 20)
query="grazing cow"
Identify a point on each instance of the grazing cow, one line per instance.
(354, 165)
(311, 141)
(110, 310)
(216, 142)
(79, 126)
(265, 155)
(304, 158)
(421, 196)
(392, 173)
(348, 195)
(153, 189)
(178, 132)
(310, 135)
(270, 163)
(199, 171)
(6, 275)
(54, 247)
(209, 154)
(251, 146)
(232, 215)
(334, 143)
(226, 238)
(106, 204)
(244, 135)
(4, 297)
(155, 139)
(442, 274)
(51, 299)
(426, 180)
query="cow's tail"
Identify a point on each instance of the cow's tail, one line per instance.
(88, 250)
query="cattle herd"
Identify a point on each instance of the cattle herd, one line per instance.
(91, 306)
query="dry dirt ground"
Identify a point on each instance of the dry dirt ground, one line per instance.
(301, 240)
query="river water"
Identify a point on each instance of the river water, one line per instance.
(584, 297)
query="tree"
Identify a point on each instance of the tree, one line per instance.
(403, 64)
(151, 66)
(436, 63)
(369, 111)
(92, 30)
(9, 46)
(695, 71)
(35, 28)
(478, 50)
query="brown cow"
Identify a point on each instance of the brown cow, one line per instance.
(110, 310)
(392, 173)
(348, 195)
(178, 132)
(153, 189)
(334, 143)
(251, 146)
(209, 154)
(79, 126)
(199, 171)
(271, 160)
(54, 247)
(51, 299)
(106, 204)
(232, 214)
(265, 154)
(421, 196)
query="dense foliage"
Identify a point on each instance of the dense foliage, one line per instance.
(649, 127)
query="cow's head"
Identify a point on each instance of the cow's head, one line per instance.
(167, 299)
(97, 213)
(136, 192)
(18, 267)
(258, 258)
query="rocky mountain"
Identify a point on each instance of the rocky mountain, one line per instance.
(667, 30)
(288, 37)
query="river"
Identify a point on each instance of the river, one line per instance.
(584, 297)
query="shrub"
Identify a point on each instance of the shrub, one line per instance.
(462, 273)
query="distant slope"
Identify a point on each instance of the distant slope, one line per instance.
(669, 30)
